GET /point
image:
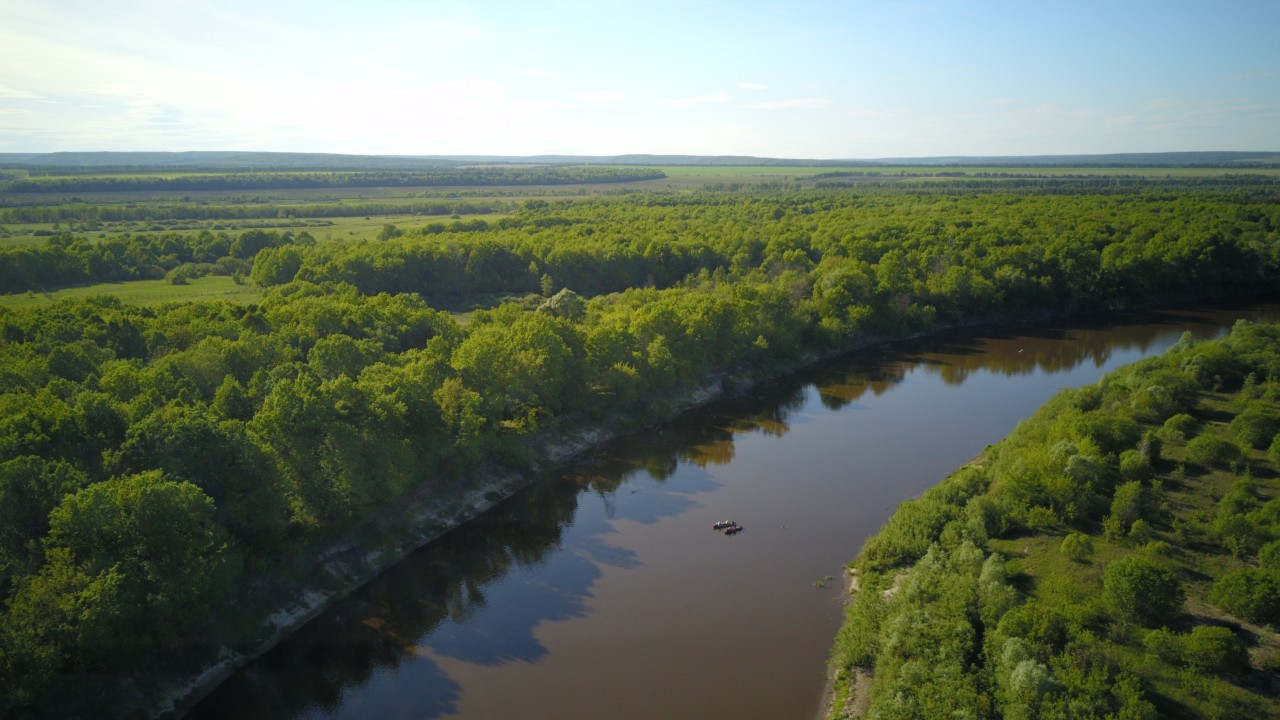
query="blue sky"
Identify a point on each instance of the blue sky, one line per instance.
(801, 78)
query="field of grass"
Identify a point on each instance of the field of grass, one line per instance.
(335, 228)
(146, 292)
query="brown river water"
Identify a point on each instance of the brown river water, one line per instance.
(603, 592)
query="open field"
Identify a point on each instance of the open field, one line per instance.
(145, 292)
(332, 228)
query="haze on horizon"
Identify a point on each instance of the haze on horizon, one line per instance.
(802, 79)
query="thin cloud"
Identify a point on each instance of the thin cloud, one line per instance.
(752, 86)
(15, 93)
(1251, 75)
(809, 102)
(716, 97)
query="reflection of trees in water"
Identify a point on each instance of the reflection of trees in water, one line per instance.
(381, 625)
(703, 437)
(1050, 350)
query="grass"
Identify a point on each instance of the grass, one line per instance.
(1188, 505)
(337, 228)
(145, 292)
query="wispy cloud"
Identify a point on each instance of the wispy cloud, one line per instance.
(752, 86)
(16, 93)
(1251, 75)
(716, 97)
(809, 102)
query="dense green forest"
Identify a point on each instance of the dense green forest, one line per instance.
(504, 175)
(162, 470)
(1118, 556)
(90, 214)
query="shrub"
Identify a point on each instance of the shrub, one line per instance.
(1214, 649)
(1077, 546)
(1142, 591)
(1251, 594)
(1256, 425)
(1212, 450)
(1040, 518)
(1164, 644)
(1141, 532)
(1134, 466)
(1269, 555)
(1130, 503)
(1180, 427)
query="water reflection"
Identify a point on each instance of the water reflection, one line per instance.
(443, 586)
(474, 596)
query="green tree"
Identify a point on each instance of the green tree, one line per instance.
(1252, 594)
(1212, 450)
(1077, 546)
(1142, 591)
(30, 487)
(1211, 648)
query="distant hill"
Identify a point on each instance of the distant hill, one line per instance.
(221, 160)
(261, 161)
(1171, 159)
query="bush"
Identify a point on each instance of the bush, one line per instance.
(1269, 555)
(1077, 546)
(1212, 450)
(1164, 644)
(1251, 594)
(1180, 427)
(1214, 649)
(1256, 425)
(1142, 591)
(1134, 466)
(1141, 532)
(1040, 518)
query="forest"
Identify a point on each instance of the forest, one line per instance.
(1117, 556)
(166, 473)
(508, 175)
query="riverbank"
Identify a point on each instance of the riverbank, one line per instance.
(343, 567)
(1001, 579)
(347, 566)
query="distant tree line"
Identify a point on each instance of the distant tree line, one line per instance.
(486, 176)
(96, 212)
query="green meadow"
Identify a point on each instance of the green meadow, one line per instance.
(145, 292)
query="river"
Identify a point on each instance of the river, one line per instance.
(603, 592)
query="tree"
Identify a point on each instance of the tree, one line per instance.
(1214, 649)
(1077, 546)
(1212, 450)
(1251, 594)
(30, 487)
(1142, 591)
(219, 457)
(135, 567)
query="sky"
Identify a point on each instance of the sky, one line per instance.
(794, 79)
